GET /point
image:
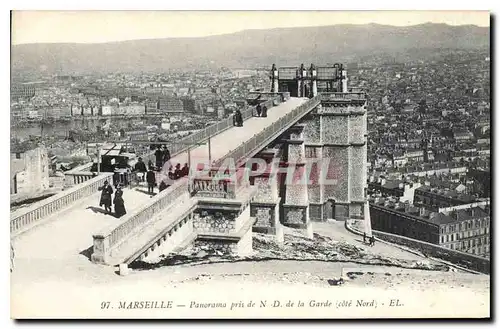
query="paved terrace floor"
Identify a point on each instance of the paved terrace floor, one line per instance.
(235, 136)
(67, 235)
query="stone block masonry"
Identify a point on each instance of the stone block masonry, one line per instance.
(336, 131)
(215, 221)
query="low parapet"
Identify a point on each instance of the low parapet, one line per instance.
(25, 218)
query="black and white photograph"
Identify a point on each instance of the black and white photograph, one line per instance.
(250, 164)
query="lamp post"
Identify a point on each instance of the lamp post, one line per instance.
(98, 159)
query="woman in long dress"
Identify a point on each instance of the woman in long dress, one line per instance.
(119, 202)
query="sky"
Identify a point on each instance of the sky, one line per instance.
(108, 26)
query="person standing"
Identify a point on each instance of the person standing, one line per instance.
(235, 122)
(140, 168)
(185, 170)
(116, 177)
(166, 155)
(119, 202)
(264, 111)
(239, 118)
(159, 158)
(258, 109)
(106, 192)
(151, 179)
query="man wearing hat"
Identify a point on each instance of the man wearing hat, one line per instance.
(106, 192)
(140, 168)
(151, 179)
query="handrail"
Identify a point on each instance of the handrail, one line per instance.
(24, 217)
(143, 214)
(284, 122)
(210, 131)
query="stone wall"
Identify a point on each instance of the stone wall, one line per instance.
(215, 221)
(170, 242)
(226, 247)
(265, 189)
(469, 261)
(245, 246)
(357, 129)
(314, 187)
(334, 129)
(34, 177)
(312, 130)
(337, 188)
(456, 257)
(357, 174)
(316, 212)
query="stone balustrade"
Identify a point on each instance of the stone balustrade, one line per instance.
(343, 96)
(212, 187)
(26, 217)
(176, 236)
(82, 168)
(112, 237)
(193, 139)
(246, 150)
(210, 131)
(76, 178)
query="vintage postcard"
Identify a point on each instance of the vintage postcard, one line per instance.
(250, 164)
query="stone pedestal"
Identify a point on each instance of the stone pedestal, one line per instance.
(123, 269)
(297, 216)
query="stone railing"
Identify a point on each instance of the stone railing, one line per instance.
(212, 187)
(110, 238)
(199, 136)
(239, 154)
(343, 96)
(210, 131)
(82, 168)
(459, 258)
(78, 177)
(175, 234)
(26, 217)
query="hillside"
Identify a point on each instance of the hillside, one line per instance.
(251, 48)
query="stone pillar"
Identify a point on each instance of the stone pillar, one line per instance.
(344, 81)
(274, 79)
(299, 87)
(314, 83)
(296, 204)
(123, 269)
(265, 205)
(303, 76)
(101, 249)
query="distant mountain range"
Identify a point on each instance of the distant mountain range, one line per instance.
(250, 48)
